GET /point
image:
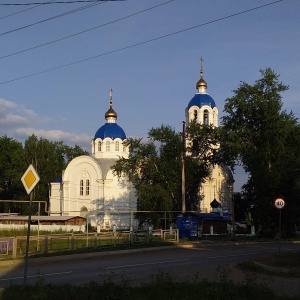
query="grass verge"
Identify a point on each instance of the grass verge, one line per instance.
(284, 265)
(162, 286)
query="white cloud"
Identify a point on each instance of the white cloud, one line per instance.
(56, 135)
(29, 113)
(9, 120)
(19, 123)
(5, 104)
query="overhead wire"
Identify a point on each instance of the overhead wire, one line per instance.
(141, 43)
(85, 31)
(21, 11)
(54, 17)
(55, 2)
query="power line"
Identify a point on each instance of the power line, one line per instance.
(84, 31)
(21, 11)
(142, 43)
(54, 17)
(54, 2)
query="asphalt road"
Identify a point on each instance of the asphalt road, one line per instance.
(140, 266)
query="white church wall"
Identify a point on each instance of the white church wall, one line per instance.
(55, 196)
(109, 148)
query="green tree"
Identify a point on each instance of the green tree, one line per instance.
(264, 139)
(155, 169)
(11, 166)
(72, 152)
(49, 159)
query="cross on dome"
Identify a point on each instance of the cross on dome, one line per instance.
(111, 115)
(201, 85)
(110, 97)
(201, 69)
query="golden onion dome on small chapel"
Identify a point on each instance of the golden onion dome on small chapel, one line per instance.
(110, 113)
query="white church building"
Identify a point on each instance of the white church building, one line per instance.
(88, 187)
(217, 191)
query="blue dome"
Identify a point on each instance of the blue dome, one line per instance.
(202, 99)
(111, 130)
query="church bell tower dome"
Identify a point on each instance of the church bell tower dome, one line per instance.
(202, 107)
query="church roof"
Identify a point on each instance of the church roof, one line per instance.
(111, 130)
(202, 99)
(105, 164)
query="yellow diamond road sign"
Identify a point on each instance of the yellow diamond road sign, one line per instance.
(30, 179)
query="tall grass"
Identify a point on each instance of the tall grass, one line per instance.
(162, 286)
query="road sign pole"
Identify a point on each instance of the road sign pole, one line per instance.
(27, 239)
(29, 180)
(279, 204)
(279, 240)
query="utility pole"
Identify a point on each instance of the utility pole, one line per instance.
(183, 168)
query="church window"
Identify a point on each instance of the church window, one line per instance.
(195, 114)
(124, 149)
(87, 187)
(205, 117)
(117, 146)
(81, 188)
(107, 146)
(99, 146)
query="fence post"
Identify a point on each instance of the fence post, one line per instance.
(149, 233)
(131, 235)
(95, 240)
(115, 233)
(15, 245)
(46, 244)
(72, 241)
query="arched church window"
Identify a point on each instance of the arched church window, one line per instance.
(81, 188)
(205, 117)
(99, 146)
(195, 114)
(107, 146)
(117, 146)
(87, 187)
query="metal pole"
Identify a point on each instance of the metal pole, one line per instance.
(87, 230)
(279, 239)
(183, 169)
(27, 239)
(38, 241)
(233, 216)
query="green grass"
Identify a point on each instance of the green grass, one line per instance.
(162, 286)
(284, 265)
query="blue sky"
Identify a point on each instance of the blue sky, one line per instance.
(153, 77)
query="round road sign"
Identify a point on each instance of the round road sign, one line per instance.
(279, 203)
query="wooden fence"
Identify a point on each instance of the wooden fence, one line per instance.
(42, 245)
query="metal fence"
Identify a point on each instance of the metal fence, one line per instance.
(42, 245)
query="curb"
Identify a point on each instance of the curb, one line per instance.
(272, 269)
